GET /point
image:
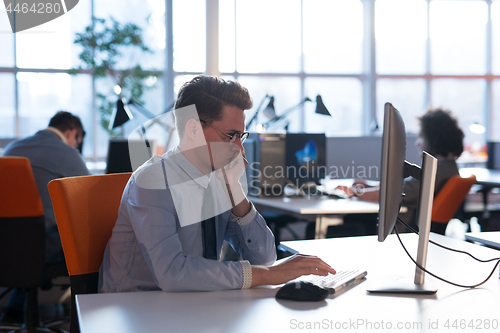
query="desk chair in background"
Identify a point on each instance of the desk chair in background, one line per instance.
(22, 240)
(448, 200)
(86, 209)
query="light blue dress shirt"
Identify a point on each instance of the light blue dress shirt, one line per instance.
(149, 249)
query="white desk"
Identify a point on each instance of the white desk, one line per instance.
(256, 310)
(491, 238)
(488, 179)
(323, 210)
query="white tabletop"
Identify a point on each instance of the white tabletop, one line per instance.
(318, 205)
(490, 238)
(256, 310)
(484, 176)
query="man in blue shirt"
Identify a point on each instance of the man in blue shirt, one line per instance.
(177, 209)
(53, 153)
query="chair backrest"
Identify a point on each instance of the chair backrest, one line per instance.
(450, 197)
(19, 195)
(86, 209)
(22, 229)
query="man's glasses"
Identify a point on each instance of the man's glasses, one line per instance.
(233, 136)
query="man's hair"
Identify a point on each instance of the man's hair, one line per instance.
(442, 133)
(64, 121)
(209, 94)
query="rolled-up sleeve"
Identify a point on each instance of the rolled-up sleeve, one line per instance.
(251, 238)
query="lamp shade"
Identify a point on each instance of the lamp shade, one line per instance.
(120, 115)
(269, 111)
(320, 107)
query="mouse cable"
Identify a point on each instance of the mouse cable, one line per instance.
(445, 247)
(440, 278)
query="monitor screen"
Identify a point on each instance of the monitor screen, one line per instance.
(305, 157)
(392, 170)
(119, 151)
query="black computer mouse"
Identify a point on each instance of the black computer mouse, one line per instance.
(301, 291)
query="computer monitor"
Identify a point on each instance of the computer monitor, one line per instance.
(305, 157)
(127, 155)
(394, 169)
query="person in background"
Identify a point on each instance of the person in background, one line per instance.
(54, 152)
(178, 208)
(441, 136)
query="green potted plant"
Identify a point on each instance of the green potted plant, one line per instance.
(103, 44)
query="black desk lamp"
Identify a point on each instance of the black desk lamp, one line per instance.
(320, 107)
(269, 108)
(269, 111)
(120, 115)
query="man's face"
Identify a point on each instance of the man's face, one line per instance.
(221, 150)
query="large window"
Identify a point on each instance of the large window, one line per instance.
(458, 37)
(356, 54)
(34, 68)
(401, 33)
(296, 49)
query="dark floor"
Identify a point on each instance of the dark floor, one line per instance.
(53, 304)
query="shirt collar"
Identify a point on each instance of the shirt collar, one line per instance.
(57, 132)
(195, 174)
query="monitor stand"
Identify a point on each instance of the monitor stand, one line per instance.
(424, 212)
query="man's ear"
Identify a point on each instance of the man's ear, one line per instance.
(70, 134)
(193, 129)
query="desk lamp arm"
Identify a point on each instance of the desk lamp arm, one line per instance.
(286, 113)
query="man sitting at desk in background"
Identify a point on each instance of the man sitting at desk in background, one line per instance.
(53, 153)
(177, 209)
(441, 137)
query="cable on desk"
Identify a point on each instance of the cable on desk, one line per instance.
(445, 247)
(440, 278)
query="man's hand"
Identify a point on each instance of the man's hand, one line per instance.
(292, 268)
(230, 174)
(234, 169)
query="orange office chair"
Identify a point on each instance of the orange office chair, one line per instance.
(448, 200)
(22, 240)
(86, 209)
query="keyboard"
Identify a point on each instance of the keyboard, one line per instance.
(336, 282)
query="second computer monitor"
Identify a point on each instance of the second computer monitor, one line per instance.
(126, 155)
(305, 157)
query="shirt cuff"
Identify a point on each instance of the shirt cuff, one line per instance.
(245, 219)
(247, 274)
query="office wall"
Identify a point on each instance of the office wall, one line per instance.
(359, 157)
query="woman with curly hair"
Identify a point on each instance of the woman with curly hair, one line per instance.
(441, 137)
